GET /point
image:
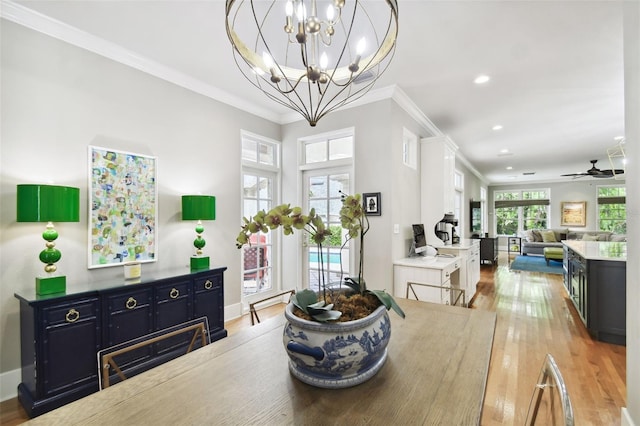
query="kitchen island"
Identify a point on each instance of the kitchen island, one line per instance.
(595, 278)
(435, 373)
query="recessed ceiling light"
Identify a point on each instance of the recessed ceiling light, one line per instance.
(618, 138)
(509, 168)
(497, 127)
(504, 150)
(481, 79)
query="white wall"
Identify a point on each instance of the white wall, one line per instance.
(58, 99)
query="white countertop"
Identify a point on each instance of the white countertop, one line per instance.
(430, 262)
(464, 244)
(599, 250)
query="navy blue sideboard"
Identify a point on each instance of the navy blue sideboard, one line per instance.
(61, 334)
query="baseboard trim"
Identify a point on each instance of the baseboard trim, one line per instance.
(9, 381)
(625, 418)
(232, 311)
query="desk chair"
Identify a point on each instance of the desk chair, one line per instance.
(550, 404)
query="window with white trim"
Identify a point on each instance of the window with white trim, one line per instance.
(483, 207)
(260, 181)
(458, 185)
(612, 209)
(519, 210)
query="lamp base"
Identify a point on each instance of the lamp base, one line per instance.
(51, 285)
(199, 262)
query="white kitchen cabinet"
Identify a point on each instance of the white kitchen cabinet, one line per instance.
(437, 172)
(469, 253)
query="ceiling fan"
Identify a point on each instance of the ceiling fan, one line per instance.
(596, 172)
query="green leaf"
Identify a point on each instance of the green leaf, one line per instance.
(352, 284)
(327, 316)
(388, 301)
(304, 298)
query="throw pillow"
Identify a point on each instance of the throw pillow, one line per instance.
(587, 237)
(536, 236)
(528, 235)
(548, 236)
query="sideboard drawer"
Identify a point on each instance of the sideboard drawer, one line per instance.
(129, 300)
(208, 283)
(70, 312)
(173, 291)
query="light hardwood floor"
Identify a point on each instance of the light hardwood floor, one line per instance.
(534, 317)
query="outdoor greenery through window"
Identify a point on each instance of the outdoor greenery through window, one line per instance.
(519, 210)
(612, 209)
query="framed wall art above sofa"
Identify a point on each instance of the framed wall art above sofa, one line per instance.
(574, 213)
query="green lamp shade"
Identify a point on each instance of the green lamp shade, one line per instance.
(198, 207)
(48, 203)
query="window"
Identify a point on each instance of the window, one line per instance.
(458, 184)
(260, 174)
(326, 170)
(409, 149)
(612, 209)
(517, 211)
(483, 205)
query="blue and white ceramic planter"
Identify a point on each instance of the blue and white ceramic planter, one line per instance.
(336, 355)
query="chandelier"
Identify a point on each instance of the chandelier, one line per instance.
(312, 56)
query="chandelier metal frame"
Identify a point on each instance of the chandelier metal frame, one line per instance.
(305, 82)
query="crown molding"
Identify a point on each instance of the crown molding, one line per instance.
(407, 104)
(41, 23)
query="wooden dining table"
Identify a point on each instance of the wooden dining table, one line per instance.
(435, 374)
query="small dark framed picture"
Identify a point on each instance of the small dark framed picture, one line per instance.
(371, 203)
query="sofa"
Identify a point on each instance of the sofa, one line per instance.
(534, 241)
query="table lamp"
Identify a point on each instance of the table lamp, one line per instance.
(199, 207)
(49, 203)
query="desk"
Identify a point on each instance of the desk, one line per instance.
(439, 271)
(435, 373)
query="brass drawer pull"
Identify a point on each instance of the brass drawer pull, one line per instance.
(174, 293)
(131, 303)
(72, 315)
(208, 285)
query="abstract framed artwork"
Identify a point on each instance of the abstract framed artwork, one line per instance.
(371, 203)
(123, 205)
(574, 213)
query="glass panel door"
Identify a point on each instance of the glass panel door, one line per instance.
(258, 256)
(322, 192)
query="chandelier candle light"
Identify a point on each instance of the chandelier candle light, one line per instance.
(310, 63)
(48, 203)
(199, 207)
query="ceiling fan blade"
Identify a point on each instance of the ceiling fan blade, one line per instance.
(611, 172)
(596, 172)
